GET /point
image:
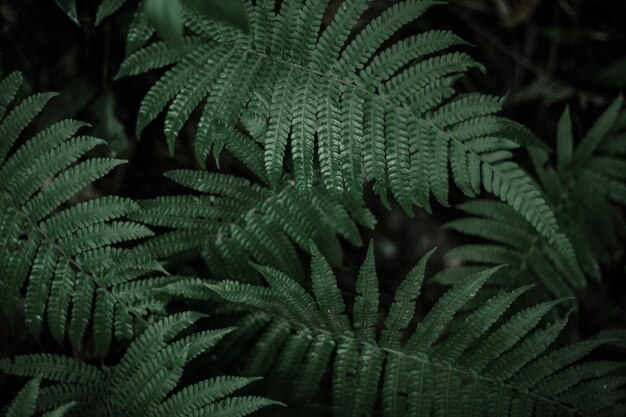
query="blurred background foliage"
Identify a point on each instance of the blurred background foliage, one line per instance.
(542, 54)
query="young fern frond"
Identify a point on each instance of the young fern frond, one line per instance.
(234, 221)
(489, 362)
(66, 258)
(142, 384)
(587, 188)
(387, 111)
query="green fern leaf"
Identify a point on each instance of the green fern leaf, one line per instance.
(25, 403)
(581, 188)
(235, 221)
(142, 384)
(387, 109)
(107, 8)
(62, 255)
(452, 363)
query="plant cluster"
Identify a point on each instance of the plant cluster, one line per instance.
(136, 292)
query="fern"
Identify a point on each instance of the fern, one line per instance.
(107, 8)
(68, 261)
(388, 111)
(586, 187)
(139, 31)
(234, 221)
(141, 384)
(25, 403)
(488, 362)
(315, 107)
(67, 258)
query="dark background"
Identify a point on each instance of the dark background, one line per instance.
(543, 54)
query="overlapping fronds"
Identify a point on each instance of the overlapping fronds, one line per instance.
(143, 383)
(66, 258)
(315, 104)
(234, 221)
(373, 109)
(587, 188)
(488, 362)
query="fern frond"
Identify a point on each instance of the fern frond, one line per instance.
(63, 255)
(9, 86)
(142, 384)
(25, 403)
(582, 187)
(139, 32)
(107, 8)
(386, 112)
(449, 364)
(52, 368)
(234, 221)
